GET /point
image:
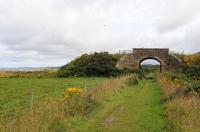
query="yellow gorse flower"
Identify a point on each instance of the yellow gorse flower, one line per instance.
(70, 92)
(74, 90)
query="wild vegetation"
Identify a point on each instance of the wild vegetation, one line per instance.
(182, 104)
(192, 64)
(109, 106)
(181, 95)
(96, 64)
(55, 114)
(15, 93)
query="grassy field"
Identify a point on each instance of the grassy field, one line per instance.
(15, 92)
(159, 103)
(57, 114)
(119, 106)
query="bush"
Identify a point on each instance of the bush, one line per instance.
(194, 87)
(97, 64)
(192, 68)
(193, 71)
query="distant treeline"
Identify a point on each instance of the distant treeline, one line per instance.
(28, 74)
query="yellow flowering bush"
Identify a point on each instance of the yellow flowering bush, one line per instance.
(73, 101)
(192, 59)
(69, 92)
(74, 91)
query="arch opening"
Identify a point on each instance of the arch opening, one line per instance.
(150, 65)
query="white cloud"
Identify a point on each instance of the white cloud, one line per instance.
(51, 33)
(178, 13)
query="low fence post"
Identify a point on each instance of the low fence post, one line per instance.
(85, 85)
(31, 100)
(97, 82)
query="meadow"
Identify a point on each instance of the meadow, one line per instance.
(15, 93)
(159, 102)
(109, 105)
(66, 101)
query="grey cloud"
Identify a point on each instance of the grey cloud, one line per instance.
(178, 14)
(51, 33)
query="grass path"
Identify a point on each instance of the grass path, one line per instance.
(135, 109)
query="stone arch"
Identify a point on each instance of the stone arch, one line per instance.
(167, 61)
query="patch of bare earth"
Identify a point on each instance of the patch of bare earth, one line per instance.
(110, 119)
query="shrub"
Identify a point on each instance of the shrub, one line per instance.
(73, 101)
(193, 59)
(193, 87)
(97, 64)
(193, 71)
(192, 68)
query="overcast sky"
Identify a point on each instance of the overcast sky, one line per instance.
(52, 32)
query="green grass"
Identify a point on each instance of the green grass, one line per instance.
(15, 92)
(134, 109)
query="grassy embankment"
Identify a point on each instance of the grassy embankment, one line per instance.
(182, 103)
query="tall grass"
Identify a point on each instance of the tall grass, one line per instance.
(182, 109)
(169, 88)
(182, 114)
(56, 114)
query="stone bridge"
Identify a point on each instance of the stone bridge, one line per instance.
(133, 60)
